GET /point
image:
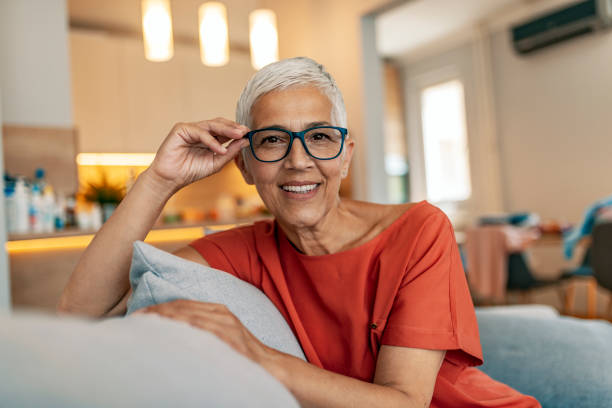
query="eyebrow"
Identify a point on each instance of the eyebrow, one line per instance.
(308, 126)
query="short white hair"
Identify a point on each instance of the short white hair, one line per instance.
(288, 73)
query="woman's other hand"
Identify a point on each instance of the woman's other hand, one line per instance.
(217, 319)
(192, 151)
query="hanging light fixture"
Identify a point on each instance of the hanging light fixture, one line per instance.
(214, 41)
(157, 30)
(263, 38)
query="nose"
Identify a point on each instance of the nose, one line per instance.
(298, 158)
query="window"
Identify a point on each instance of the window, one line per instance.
(447, 170)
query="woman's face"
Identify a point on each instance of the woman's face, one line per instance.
(296, 109)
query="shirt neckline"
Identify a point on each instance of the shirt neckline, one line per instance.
(282, 237)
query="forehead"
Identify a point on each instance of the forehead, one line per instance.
(291, 107)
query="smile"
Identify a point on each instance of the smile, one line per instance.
(304, 189)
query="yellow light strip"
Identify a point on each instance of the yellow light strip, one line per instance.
(81, 241)
(114, 159)
(218, 228)
(174, 234)
(31, 245)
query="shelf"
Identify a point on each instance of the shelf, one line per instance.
(79, 239)
(75, 232)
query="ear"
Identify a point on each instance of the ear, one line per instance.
(240, 162)
(349, 146)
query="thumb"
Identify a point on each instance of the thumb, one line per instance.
(232, 150)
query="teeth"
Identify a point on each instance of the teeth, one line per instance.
(300, 189)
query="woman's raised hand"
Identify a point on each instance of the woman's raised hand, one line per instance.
(192, 151)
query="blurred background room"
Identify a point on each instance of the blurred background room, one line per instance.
(497, 111)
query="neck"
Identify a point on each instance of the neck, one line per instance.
(327, 236)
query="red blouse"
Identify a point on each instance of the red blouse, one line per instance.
(405, 287)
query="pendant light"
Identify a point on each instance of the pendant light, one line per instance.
(157, 30)
(214, 41)
(263, 38)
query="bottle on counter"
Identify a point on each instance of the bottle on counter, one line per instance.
(22, 221)
(96, 216)
(226, 208)
(39, 178)
(47, 212)
(60, 213)
(10, 208)
(70, 212)
(35, 209)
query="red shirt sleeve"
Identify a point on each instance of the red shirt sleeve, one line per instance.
(433, 308)
(231, 251)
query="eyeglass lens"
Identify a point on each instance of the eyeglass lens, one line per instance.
(321, 143)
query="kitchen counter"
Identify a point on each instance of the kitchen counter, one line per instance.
(77, 238)
(40, 264)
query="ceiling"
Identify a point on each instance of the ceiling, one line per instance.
(417, 23)
(124, 15)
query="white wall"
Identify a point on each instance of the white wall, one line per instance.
(5, 287)
(553, 115)
(34, 71)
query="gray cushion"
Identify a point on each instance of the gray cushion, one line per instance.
(139, 361)
(157, 277)
(561, 361)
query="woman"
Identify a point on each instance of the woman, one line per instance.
(375, 293)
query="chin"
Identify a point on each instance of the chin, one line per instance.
(302, 219)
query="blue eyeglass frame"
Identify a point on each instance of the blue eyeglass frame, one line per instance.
(298, 135)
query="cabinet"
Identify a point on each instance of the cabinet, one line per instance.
(124, 103)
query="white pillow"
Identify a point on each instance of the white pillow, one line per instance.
(140, 361)
(157, 277)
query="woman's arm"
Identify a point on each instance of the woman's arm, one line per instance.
(404, 377)
(100, 280)
(99, 285)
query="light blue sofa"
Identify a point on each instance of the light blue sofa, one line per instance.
(562, 361)
(148, 361)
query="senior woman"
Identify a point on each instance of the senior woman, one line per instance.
(375, 293)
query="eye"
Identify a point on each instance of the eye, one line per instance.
(318, 137)
(270, 140)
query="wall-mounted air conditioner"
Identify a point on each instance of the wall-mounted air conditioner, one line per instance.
(571, 21)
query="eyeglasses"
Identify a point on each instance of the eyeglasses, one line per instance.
(274, 144)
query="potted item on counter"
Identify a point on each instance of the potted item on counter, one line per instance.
(105, 194)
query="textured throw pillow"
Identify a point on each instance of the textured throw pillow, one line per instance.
(158, 277)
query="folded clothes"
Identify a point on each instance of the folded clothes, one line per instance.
(487, 250)
(519, 219)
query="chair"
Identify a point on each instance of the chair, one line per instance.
(582, 272)
(602, 258)
(521, 279)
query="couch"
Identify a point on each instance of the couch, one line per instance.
(149, 361)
